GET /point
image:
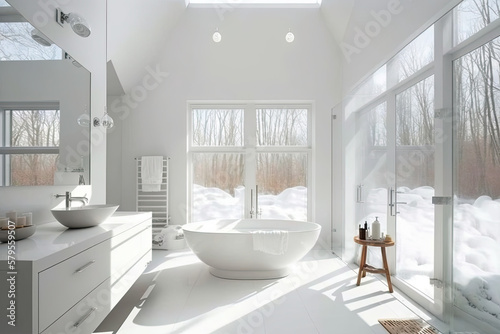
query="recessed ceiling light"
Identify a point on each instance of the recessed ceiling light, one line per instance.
(217, 37)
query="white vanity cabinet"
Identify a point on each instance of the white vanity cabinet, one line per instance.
(68, 280)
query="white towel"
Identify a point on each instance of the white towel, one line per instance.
(273, 242)
(151, 173)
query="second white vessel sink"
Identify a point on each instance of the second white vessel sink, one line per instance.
(85, 216)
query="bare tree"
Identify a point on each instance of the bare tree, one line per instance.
(477, 76)
(275, 127)
(34, 128)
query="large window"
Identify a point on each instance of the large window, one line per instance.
(477, 183)
(471, 16)
(439, 159)
(29, 145)
(249, 156)
(412, 58)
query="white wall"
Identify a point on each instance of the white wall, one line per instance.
(253, 62)
(114, 161)
(91, 53)
(135, 40)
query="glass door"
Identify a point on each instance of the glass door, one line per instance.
(411, 198)
(371, 172)
(394, 178)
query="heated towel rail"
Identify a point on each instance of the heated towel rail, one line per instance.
(153, 201)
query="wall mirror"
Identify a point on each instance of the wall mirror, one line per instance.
(44, 109)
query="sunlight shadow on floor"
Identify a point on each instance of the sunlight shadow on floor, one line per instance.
(178, 295)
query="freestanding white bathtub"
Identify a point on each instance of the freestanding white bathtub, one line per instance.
(251, 248)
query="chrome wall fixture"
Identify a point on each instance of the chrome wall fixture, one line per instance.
(68, 57)
(105, 121)
(77, 23)
(40, 38)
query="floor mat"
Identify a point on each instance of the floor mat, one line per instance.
(407, 326)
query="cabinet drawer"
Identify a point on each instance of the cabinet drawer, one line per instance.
(60, 287)
(126, 254)
(85, 316)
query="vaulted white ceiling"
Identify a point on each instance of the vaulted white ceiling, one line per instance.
(137, 29)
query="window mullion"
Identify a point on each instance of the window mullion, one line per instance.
(250, 132)
(250, 143)
(8, 128)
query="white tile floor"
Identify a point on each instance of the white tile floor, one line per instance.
(177, 294)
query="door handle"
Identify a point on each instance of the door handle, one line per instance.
(393, 203)
(251, 203)
(257, 212)
(359, 194)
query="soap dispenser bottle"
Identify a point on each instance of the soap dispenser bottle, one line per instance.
(376, 229)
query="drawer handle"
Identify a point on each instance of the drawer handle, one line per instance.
(85, 317)
(79, 270)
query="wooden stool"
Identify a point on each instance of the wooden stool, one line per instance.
(364, 268)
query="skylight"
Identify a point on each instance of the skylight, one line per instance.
(254, 2)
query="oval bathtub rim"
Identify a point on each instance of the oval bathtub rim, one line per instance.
(250, 230)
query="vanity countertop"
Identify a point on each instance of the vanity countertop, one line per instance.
(51, 239)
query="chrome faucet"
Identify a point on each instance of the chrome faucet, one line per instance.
(69, 199)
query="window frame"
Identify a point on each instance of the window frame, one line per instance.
(249, 147)
(5, 132)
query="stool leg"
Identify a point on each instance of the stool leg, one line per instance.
(364, 261)
(361, 271)
(386, 267)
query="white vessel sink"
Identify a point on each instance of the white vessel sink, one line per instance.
(85, 216)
